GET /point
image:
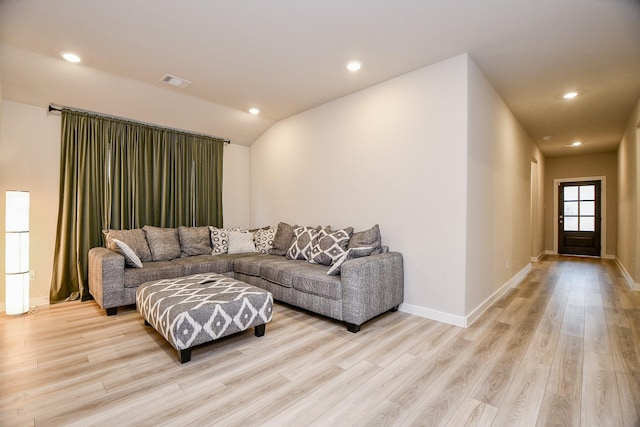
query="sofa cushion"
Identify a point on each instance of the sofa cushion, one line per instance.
(130, 257)
(135, 239)
(366, 238)
(263, 239)
(222, 263)
(220, 239)
(313, 279)
(163, 242)
(194, 241)
(241, 243)
(250, 264)
(151, 271)
(282, 271)
(330, 246)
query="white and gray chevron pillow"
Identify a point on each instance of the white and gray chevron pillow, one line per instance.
(330, 246)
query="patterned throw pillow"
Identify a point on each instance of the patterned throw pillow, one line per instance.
(220, 239)
(331, 246)
(241, 243)
(263, 239)
(130, 257)
(305, 238)
(349, 254)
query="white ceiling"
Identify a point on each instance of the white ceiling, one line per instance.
(286, 56)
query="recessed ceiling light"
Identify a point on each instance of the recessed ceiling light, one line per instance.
(574, 144)
(570, 95)
(71, 57)
(354, 66)
(254, 111)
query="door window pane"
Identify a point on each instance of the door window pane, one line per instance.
(571, 208)
(588, 208)
(570, 193)
(587, 192)
(571, 224)
(587, 223)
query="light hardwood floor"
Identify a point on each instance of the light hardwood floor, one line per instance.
(561, 349)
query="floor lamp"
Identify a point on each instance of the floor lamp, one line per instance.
(17, 252)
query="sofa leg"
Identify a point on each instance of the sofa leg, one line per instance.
(353, 328)
(394, 309)
(112, 311)
(146, 323)
(259, 330)
(185, 355)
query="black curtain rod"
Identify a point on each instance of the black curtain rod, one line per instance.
(58, 109)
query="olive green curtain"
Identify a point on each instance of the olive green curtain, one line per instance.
(120, 174)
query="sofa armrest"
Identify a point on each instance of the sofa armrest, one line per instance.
(371, 285)
(106, 277)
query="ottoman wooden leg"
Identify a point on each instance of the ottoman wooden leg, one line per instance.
(259, 330)
(185, 355)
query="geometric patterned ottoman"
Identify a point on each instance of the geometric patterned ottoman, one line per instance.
(193, 310)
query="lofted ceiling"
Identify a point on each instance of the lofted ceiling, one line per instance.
(287, 56)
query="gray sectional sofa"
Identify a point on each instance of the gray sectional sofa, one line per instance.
(351, 279)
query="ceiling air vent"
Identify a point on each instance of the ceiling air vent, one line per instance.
(175, 81)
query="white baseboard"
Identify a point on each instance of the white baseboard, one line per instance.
(627, 277)
(511, 283)
(537, 258)
(428, 313)
(465, 321)
(548, 252)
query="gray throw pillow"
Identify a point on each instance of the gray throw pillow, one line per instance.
(163, 242)
(134, 239)
(283, 239)
(194, 241)
(370, 237)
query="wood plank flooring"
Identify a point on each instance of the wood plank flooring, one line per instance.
(561, 349)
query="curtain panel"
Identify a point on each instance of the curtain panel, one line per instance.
(119, 174)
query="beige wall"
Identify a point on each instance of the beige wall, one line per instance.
(499, 235)
(29, 160)
(393, 154)
(585, 166)
(629, 202)
(435, 157)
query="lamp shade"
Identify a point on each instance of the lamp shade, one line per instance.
(17, 252)
(17, 219)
